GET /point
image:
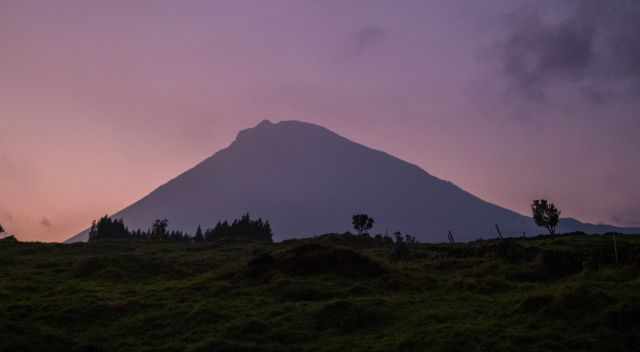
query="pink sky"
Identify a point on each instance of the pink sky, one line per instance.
(101, 103)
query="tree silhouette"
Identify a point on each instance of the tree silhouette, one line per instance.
(1, 229)
(243, 228)
(93, 232)
(107, 228)
(546, 215)
(159, 229)
(199, 236)
(362, 223)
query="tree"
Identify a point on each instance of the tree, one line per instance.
(1, 229)
(93, 232)
(108, 228)
(362, 223)
(199, 236)
(159, 229)
(546, 215)
(243, 228)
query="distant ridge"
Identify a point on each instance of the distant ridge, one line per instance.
(309, 180)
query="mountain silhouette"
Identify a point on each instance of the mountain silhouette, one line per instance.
(307, 180)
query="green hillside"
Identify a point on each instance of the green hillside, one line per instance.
(332, 293)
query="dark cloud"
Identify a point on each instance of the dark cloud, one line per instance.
(590, 46)
(46, 223)
(366, 38)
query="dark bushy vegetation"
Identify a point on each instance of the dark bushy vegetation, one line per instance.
(314, 258)
(241, 229)
(545, 214)
(337, 292)
(362, 223)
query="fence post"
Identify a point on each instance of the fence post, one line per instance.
(615, 247)
(499, 232)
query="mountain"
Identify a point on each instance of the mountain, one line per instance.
(307, 180)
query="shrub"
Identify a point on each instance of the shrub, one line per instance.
(320, 259)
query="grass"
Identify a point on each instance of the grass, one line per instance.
(332, 293)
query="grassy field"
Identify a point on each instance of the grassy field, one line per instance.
(332, 293)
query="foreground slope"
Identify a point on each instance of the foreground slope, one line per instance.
(336, 293)
(306, 179)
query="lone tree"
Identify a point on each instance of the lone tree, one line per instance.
(362, 223)
(199, 237)
(1, 229)
(159, 228)
(546, 215)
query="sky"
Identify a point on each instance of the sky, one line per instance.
(513, 100)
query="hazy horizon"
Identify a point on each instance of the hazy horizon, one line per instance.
(104, 103)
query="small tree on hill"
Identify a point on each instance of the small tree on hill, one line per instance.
(93, 232)
(362, 223)
(1, 229)
(199, 236)
(546, 215)
(159, 229)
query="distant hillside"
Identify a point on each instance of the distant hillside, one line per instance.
(306, 179)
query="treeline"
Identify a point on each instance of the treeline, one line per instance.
(244, 228)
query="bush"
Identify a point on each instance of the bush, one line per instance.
(401, 249)
(261, 264)
(9, 239)
(551, 265)
(556, 264)
(288, 291)
(311, 259)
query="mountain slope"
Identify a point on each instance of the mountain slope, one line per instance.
(308, 180)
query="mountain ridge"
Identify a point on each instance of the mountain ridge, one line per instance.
(307, 179)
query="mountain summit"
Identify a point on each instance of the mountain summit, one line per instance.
(308, 180)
